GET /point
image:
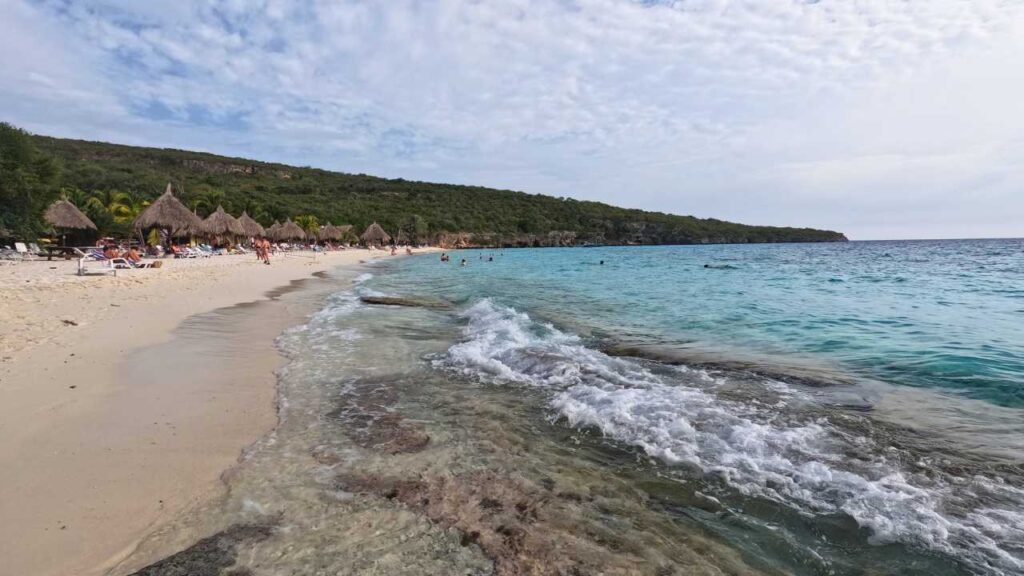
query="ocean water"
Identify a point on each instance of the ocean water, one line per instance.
(776, 409)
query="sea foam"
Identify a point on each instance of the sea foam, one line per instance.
(791, 456)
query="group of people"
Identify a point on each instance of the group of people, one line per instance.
(112, 251)
(446, 258)
(262, 248)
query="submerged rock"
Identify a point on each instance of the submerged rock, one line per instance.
(411, 301)
(366, 416)
(211, 556)
(524, 530)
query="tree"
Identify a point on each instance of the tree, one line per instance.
(415, 229)
(308, 222)
(28, 183)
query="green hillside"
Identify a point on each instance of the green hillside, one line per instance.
(122, 178)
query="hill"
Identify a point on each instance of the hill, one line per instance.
(429, 211)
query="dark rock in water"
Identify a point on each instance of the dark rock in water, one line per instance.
(411, 301)
(366, 416)
(211, 556)
(522, 528)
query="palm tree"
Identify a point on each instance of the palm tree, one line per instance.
(206, 201)
(257, 211)
(125, 207)
(308, 223)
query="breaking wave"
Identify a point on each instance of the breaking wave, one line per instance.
(778, 445)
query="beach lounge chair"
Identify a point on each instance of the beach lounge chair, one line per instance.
(85, 270)
(23, 250)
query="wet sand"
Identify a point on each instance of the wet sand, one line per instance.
(113, 423)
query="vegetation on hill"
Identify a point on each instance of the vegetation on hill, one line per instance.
(112, 183)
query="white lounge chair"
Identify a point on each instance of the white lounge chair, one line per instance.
(23, 250)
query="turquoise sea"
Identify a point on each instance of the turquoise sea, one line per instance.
(930, 314)
(793, 410)
(855, 408)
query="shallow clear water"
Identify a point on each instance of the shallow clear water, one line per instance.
(875, 384)
(792, 409)
(942, 314)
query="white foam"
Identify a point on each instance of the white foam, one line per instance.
(760, 450)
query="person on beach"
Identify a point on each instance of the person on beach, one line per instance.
(110, 252)
(394, 250)
(132, 255)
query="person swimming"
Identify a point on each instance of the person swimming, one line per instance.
(463, 263)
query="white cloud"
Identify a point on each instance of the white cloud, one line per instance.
(821, 113)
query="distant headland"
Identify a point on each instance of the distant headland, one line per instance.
(428, 213)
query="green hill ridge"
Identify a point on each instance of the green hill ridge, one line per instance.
(128, 176)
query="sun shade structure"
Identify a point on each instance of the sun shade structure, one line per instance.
(251, 227)
(220, 223)
(63, 214)
(169, 213)
(272, 230)
(290, 231)
(375, 235)
(330, 232)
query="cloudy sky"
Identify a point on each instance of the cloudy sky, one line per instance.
(882, 119)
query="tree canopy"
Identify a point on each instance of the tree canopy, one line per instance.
(122, 179)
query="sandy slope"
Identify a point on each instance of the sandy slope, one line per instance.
(91, 457)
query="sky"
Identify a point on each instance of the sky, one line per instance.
(878, 118)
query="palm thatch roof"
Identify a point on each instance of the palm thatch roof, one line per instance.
(220, 223)
(250, 226)
(271, 231)
(330, 232)
(374, 234)
(290, 231)
(64, 214)
(168, 212)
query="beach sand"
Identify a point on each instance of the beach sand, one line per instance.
(102, 437)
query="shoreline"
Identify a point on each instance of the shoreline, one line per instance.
(105, 434)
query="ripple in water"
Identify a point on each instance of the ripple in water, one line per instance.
(771, 445)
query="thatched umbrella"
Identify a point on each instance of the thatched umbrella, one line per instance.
(66, 216)
(291, 231)
(220, 223)
(273, 229)
(330, 232)
(251, 227)
(169, 213)
(375, 235)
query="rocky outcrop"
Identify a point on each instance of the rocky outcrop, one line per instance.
(211, 556)
(410, 301)
(523, 529)
(218, 167)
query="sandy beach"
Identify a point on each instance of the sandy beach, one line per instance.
(96, 451)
